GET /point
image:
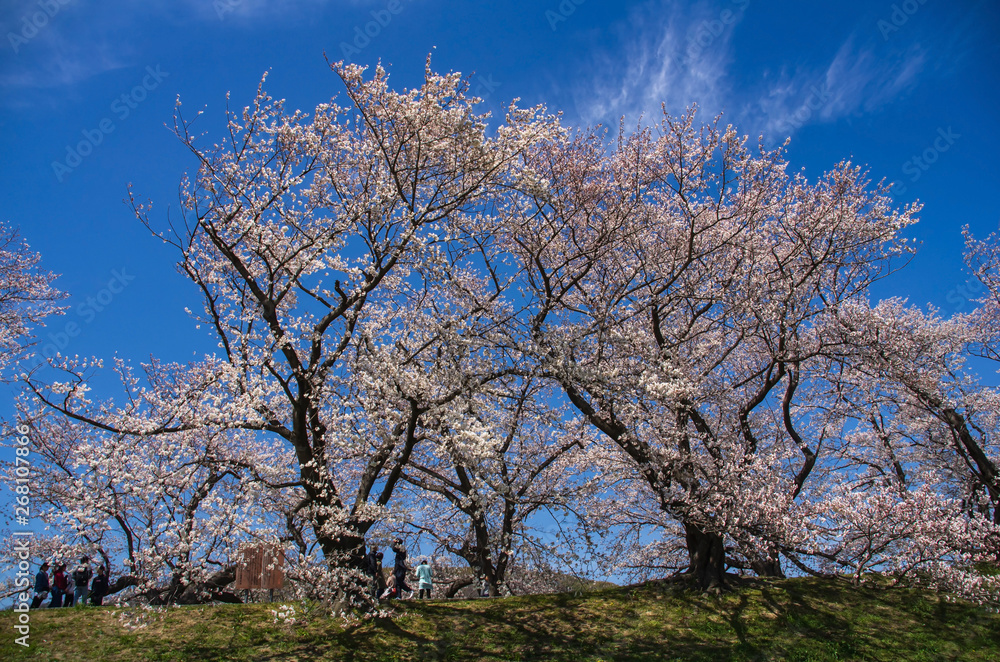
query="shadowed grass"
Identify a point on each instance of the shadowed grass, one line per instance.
(793, 619)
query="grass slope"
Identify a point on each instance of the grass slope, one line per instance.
(793, 619)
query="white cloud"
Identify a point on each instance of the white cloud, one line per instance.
(679, 55)
(77, 41)
(65, 64)
(251, 10)
(668, 54)
(856, 81)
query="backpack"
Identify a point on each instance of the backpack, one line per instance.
(82, 575)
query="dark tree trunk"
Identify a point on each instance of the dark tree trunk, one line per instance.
(347, 551)
(768, 566)
(212, 589)
(481, 564)
(707, 554)
(121, 584)
(457, 586)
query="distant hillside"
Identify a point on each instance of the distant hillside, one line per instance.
(792, 619)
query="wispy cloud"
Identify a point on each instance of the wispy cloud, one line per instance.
(858, 80)
(667, 54)
(70, 43)
(66, 64)
(252, 10)
(678, 55)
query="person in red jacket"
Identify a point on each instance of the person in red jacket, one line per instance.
(59, 585)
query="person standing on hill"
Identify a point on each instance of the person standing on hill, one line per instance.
(425, 579)
(69, 599)
(99, 588)
(41, 586)
(379, 576)
(81, 577)
(371, 568)
(399, 569)
(59, 585)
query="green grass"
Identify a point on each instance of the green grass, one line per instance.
(793, 619)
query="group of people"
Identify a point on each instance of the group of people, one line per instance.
(395, 585)
(70, 588)
(81, 585)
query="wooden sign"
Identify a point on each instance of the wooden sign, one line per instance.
(260, 566)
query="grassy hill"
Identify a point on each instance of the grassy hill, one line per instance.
(793, 619)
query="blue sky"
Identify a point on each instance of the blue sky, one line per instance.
(908, 88)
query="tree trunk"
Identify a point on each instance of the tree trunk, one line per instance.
(457, 586)
(212, 589)
(768, 566)
(708, 557)
(347, 552)
(122, 583)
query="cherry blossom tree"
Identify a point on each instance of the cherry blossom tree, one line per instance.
(677, 283)
(172, 508)
(983, 257)
(912, 367)
(912, 486)
(26, 297)
(426, 324)
(317, 245)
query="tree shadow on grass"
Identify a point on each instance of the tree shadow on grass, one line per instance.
(789, 620)
(557, 630)
(822, 629)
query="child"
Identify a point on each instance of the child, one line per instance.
(390, 590)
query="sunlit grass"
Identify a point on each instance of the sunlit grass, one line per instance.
(794, 619)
